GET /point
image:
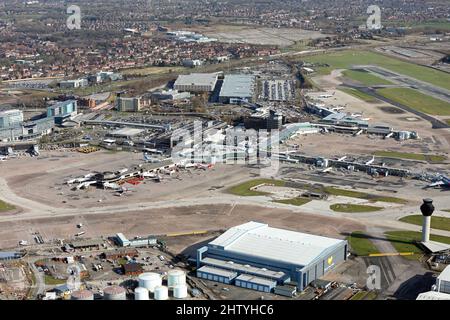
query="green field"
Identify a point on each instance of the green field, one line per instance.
(294, 202)
(347, 59)
(243, 189)
(152, 70)
(441, 223)
(353, 208)
(410, 156)
(405, 241)
(416, 100)
(5, 206)
(359, 94)
(360, 244)
(361, 195)
(365, 78)
(49, 280)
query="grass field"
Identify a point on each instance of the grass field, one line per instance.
(243, 189)
(360, 244)
(404, 241)
(294, 202)
(361, 195)
(152, 70)
(365, 78)
(359, 94)
(441, 223)
(353, 208)
(347, 59)
(416, 100)
(5, 206)
(410, 156)
(49, 280)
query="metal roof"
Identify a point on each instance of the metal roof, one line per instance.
(237, 85)
(263, 242)
(445, 274)
(433, 295)
(256, 280)
(241, 268)
(200, 79)
(126, 132)
(218, 272)
(435, 247)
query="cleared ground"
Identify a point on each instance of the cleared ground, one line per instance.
(283, 37)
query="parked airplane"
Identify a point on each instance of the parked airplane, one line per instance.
(368, 163)
(326, 96)
(442, 182)
(149, 159)
(342, 159)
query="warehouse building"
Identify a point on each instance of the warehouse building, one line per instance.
(237, 88)
(129, 104)
(196, 82)
(216, 274)
(260, 257)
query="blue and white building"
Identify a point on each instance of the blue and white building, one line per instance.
(260, 257)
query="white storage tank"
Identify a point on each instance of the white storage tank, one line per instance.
(141, 294)
(150, 281)
(180, 291)
(114, 293)
(175, 278)
(161, 293)
(82, 295)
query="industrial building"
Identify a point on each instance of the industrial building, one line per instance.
(196, 82)
(124, 242)
(73, 84)
(170, 95)
(4, 256)
(256, 256)
(128, 104)
(237, 88)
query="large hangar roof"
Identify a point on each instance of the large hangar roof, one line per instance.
(264, 242)
(200, 79)
(237, 85)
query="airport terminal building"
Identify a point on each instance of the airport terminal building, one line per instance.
(256, 256)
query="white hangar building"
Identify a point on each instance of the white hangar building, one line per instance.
(256, 256)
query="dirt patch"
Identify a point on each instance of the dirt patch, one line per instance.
(392, 110)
